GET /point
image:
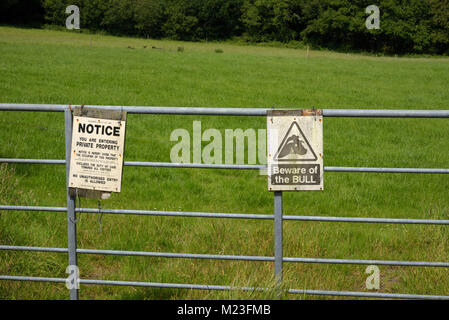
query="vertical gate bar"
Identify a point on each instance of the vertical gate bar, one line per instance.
(278, 254)
(71, 225)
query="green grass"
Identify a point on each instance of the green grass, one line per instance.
(42, 66)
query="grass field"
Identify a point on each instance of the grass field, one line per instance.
(42, 66)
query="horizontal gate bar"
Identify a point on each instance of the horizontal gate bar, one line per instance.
(34, 208)
(35, 249)
(230, 215)
(239, 166)
(32, 161)
(387, 170)
(367, 220)
(228, 288)
(370, 113)
(178, 214)
(194, 165)
(261, 167)
(174, 255)
(142, 110)
(369, 262)
(367, 294)
(139, 253)
(232, 257)
(385, 113)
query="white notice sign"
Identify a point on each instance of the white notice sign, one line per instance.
(97, 154)
(295, 150)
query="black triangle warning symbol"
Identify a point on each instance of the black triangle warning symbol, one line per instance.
(295, 147)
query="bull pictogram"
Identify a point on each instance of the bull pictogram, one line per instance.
(295, 146)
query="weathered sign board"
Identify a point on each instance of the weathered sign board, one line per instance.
(295, 150)
(98, 142)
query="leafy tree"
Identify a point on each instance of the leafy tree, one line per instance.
(119, 17)
(439, 24)
(150, 16)
(92, 13)
(266, 20)
(21, 12)
(218, 19)
(181, 22)
(406, 25)
(55, 11)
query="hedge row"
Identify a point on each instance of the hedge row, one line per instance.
(407, 26)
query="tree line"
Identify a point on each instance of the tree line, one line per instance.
(406, 26)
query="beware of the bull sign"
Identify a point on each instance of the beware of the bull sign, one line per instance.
(97, 153)
(295, 150)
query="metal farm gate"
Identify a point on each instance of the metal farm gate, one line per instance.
(277, 217)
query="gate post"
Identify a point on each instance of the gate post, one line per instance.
(278, 254)
(71, 216)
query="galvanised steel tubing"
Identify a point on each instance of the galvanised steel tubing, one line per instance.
(368, 294)
(263, 216)
(239, 166)
(370, 262)
(229, 215)
(142, 212)
(134, 283)
(292, 291)
(176, 255)
(147, 164)
(232, 257)
(140, 253)
(387, 170)
(71, 215)
(278, 262)
(178, 213)
(166, 285)
(33, 208)
(367, 220)
(194, 165)
(278, 244)
(35, 249)
(370, 113)
(36, 279)
(228, 288)
(376, 113)
(261, 167)
(33, 107)
(142, 110)
(31, 161)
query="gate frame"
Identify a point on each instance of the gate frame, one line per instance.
(278, 216)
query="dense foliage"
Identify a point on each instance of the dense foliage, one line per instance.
(406, 25)
(28, 12)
